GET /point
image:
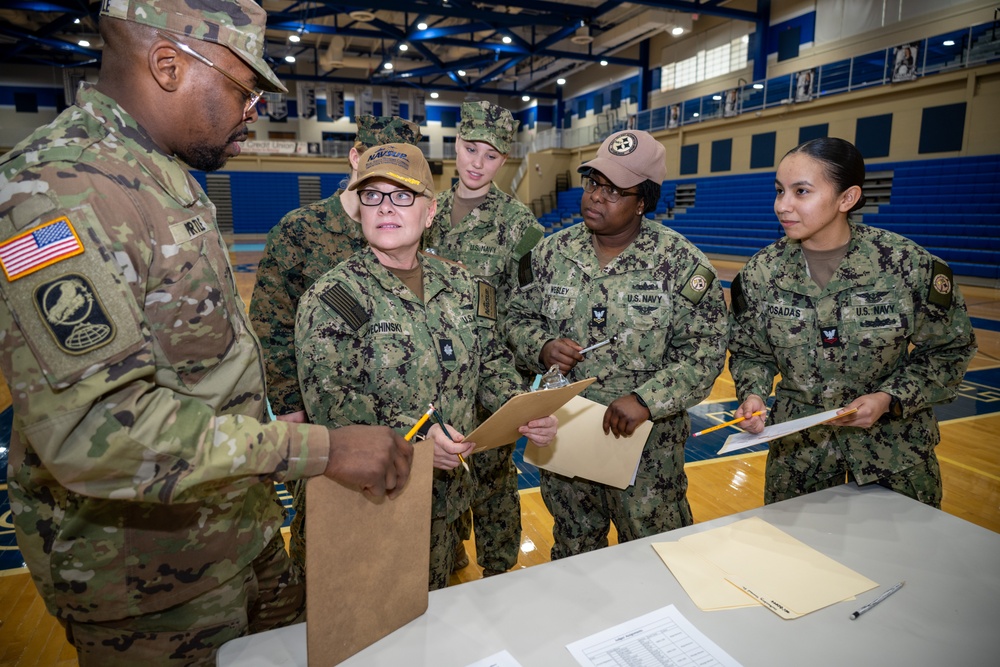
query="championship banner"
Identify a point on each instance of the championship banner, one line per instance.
(335, 100)
(275, 106)
(418, 110)
(307, 99)
(364, 102)
(390, 102)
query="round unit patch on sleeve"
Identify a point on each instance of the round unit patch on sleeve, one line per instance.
(73, 314)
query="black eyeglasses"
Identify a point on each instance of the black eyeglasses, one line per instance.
(608, 191)
(403, 198)
(253, 94)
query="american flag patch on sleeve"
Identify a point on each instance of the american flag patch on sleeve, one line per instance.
(42, 246)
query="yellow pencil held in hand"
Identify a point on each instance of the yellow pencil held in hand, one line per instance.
(420, 422)
(728, 423)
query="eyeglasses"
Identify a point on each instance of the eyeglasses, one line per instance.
(253, 94)
(402, 198)
(608, 191)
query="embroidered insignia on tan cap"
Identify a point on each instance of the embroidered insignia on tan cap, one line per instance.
(623, 144)
(43, 246)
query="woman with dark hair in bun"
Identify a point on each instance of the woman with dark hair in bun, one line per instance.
(850, 317)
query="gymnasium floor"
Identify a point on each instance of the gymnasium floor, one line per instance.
(969, 455)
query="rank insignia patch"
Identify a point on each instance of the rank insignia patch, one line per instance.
(447, 349)
(73, 313)
(43, 246)
(830, 336)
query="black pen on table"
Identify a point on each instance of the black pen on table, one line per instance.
(871, 605)
(440, 421)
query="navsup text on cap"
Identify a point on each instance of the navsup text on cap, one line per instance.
(400, 163)
(235, 24)
(628, 158)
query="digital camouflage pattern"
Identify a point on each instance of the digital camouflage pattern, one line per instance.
(235, 24)
(383, 359)
(484, 121)
(833, 345)
(660, 296)
(305, 244)
(140, 471)
(490, 241)
(377, 130)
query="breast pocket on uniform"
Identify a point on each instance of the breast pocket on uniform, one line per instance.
(194, 324)
(790, 326)
(558, 302)
(877, 331)
(645, 331)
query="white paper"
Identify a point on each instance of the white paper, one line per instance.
(662, 637)
(743, 440)
(501, 659)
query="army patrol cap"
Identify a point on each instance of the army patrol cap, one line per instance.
(628, 158)
(378, 130)
(482, 121)
(400, 163)
(235, 24)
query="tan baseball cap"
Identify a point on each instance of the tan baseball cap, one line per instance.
(400, 163)
(235, 24)
(628, 158)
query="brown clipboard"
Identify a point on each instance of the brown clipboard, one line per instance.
(501, 427)
(367, 562)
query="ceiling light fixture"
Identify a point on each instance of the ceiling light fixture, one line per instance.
(460, 72)
(387, 66)
(403, 47)
(506, 39)
(525, 98)
(83, 42)
(362, 16)
(604, 63)
(677, 31)
(561, 81)
(289, 58)
(435, 95)
(421, 26)
(949, 42)
(294, 38)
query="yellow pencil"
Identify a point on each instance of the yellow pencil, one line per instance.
(440, 421)
(728, 423)
(420, 422)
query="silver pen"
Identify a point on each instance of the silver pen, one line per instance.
(874, 602)
(597, 345)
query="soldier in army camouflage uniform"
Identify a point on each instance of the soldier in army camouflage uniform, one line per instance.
(304, 245)
(307, 243)
(488, 231)
(141, 470)
(620, 275)
(389, 331)
(834, 308)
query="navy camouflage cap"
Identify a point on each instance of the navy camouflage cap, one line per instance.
(378, 130)
(235, 24)
(483, 121)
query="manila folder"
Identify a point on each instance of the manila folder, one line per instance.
(501, 427)
(367, 562)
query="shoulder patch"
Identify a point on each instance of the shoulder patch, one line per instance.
(524, 274)
(43, 246)
(697, 284)
(487, 301)
(345, 305)
(737, 297)
(74, 314)
(942, 285)
(531, 237)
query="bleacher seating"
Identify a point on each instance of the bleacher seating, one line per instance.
(950, 206)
